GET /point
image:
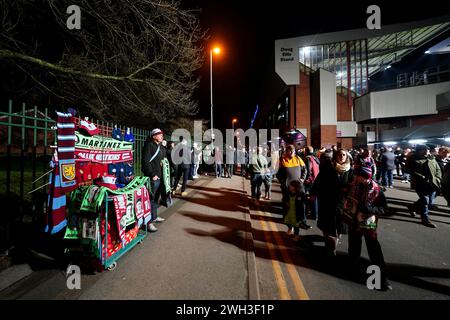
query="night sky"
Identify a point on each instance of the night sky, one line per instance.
(246, 31)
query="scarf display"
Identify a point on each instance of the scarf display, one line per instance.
(65, 124)
(56, 202)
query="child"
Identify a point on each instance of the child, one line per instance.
(365, 204)
(295, 207)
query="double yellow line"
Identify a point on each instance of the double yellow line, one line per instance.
(279, 277)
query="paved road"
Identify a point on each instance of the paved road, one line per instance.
(216, 245)
(418, 258)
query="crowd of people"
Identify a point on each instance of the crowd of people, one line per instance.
(343, 190)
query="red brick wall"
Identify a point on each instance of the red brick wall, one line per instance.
(346, 143)
(303, 105)
(327, 136)
(344, 113)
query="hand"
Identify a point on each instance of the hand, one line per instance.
(155, 178)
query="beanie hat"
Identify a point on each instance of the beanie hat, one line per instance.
(364, 171)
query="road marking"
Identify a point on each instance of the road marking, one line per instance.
(293, 273)
(281, 283)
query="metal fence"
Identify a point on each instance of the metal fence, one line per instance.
(27, 142)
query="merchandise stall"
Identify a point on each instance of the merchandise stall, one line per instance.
(94, 197)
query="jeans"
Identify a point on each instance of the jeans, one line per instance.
(256, 182)
(229, 170)
(387, 178)
(182, 170)
(313, 204)
(196, 166)
(219, 170)
(373, 249)
(154, 197)
(406, 176)
(268, 185)
(426, 198)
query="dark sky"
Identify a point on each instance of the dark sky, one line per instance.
(246, 31)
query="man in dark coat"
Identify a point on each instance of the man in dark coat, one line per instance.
(387, 168)
(152, 154)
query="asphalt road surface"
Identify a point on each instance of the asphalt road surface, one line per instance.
(215, 245)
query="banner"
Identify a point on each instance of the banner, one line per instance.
(120, 206)
(102, 149)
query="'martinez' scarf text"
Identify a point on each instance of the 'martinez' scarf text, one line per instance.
(102, 149)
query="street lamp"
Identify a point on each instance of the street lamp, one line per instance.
(232, 124)
(216, 50)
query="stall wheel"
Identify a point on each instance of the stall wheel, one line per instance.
(112, 266)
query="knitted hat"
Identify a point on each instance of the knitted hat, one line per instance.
(88, 127)
(364, 171)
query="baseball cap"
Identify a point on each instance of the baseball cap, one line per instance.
(155, 132)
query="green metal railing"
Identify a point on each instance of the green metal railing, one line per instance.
(26, 140)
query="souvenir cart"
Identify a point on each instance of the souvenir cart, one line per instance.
(108, 207)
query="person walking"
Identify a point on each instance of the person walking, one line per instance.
(425, 180)
(331, 188)
(151, 167)
(387, 168)
(366, 202)
(217, 154)
(295, 208)
(258, 167)
(312, 171)
(197, 156)
(185, 166)
(403, 160)
(291, 168)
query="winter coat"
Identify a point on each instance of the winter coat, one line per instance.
(259, 165)
(152, 168)
(446, 183)
(291, 169)
(331, 189)
(425, 173)
(387, 161)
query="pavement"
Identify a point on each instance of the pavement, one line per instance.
(216, 244)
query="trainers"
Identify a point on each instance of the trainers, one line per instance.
(305, 226)
(152, 228)
(184, 194)
(385, 286)
(412, 210)
(159, 219)
(429, 224)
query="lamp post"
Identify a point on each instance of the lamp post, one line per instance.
(232, 124)
(216, 50)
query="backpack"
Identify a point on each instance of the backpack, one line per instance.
(313, 170)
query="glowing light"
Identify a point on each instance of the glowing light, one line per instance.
(389, 143)
(417, 141)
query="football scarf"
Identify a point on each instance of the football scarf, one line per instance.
(66, 151)
(120, 207)
(166, 174)
(56, 204)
